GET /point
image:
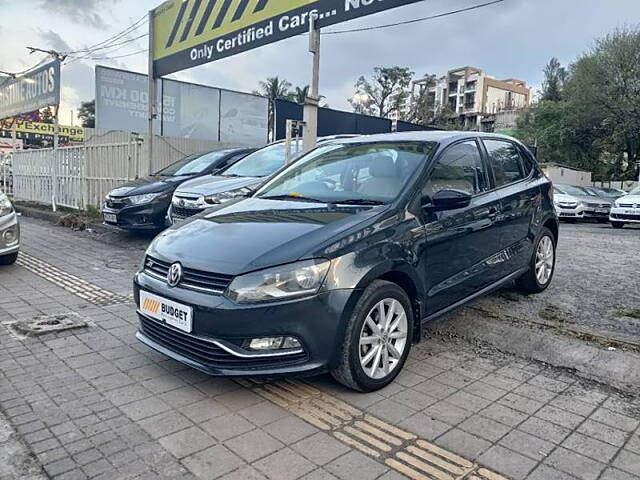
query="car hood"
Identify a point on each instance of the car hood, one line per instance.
(151, 184)
(634, 199)
(253, 233)
(562, 197)
(212, 184)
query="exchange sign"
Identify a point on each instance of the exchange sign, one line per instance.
(37, 89)
(187, 33)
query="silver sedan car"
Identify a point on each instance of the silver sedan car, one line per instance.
(9, 232)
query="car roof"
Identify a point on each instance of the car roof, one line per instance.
(439, 136)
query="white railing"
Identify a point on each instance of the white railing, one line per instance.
(73, 177)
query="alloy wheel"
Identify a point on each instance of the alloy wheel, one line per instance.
(544, 260)
(383, 338)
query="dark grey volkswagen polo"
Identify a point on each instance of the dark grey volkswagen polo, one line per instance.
(338, 261)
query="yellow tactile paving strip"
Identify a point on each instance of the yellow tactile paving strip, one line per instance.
(79, 287)
(402, 451)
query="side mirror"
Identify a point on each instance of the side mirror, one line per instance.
(447, 200)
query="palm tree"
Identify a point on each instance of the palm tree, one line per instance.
(274, 88)
(301, 94)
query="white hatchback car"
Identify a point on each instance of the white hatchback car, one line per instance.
(626, 209)
(9, 232)
(567, 207)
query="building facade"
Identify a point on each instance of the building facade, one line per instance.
(474, 96)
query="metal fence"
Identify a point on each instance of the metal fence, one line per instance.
(6, 174)
(73, 177)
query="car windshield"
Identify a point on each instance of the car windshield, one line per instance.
(369, 173)
(261, 163)
(572, 190)
(635, 191)
(193, 164)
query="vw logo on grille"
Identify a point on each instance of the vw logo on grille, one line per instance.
(181, 203)
(174, 275)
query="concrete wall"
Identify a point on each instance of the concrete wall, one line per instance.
(567, 176)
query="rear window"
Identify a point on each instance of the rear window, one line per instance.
(506, 161)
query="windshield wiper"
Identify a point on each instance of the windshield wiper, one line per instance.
(228, 175)
(301, 198)
(358, 201)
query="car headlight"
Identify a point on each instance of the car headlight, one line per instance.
(295, 280)
(222, 197)
(145, 198)
(5, 205)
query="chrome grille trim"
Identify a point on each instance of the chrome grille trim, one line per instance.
(192, 279)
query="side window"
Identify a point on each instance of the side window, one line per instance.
(505, 160)
(459, 168)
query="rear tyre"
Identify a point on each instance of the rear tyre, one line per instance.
(377, 338)
(9, 259)
(617, 224)
(542, 264)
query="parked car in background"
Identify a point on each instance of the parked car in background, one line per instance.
(626, 209)
(567, 207)
(594, 206)
(143, 203)
(9, 231)
(239, 180)
(337, 262)
(610, 193)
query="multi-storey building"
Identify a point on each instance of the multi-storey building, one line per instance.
(471, 94)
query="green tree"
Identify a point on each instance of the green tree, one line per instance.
(300, 94)
(87, 114)
(275, 88)
(555, 76)
(386, 93)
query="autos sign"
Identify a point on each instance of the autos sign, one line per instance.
(32, 91)
(192, 32)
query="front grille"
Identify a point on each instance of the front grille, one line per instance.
(625, 216)
(182, 213)
(115, 203)
(207, 353)
(571, 206)
(191, 279)
(598, 205)
(628, 205)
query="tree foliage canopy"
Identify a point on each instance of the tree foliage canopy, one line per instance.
(386, 93)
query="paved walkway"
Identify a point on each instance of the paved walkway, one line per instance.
(95, 403)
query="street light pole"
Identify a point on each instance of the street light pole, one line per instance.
(151, 92)
(310, 137)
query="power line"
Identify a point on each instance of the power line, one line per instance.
(118, 56)
(134, 26)
(415, 20)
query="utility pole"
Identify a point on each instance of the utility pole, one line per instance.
(310, 137)
(152, 98)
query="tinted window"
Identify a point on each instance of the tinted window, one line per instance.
(506, 161)
(459, 168)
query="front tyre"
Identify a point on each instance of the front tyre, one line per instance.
(378, 338)
(542, 264)
(8, 259)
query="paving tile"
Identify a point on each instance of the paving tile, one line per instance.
(320, 448)
(484, 390)
(507, 462)
(212, 463)
(616, 420)
(573, 405)
(253, 445)
(263, 413)
(545, 472)
(144, 408)
(238, 399)
(447, 412)
(186, 442)
(463, 443)
(321, 474)
(227, 426)
(534, 393)
(424, 426)
(521, 403)
(165, 424)
(435, 389)
(604, 433)
(504, 414)
(356, 465)
(528, 445)
(244, 473)
(544, 430)
(290, 429)
(578, 465)
(484, 428)
(559, 417)
(204, 410)
(615, 474)
(590, 447)
(390, 411)
(468, 401)
(628, 461)
(183, 396)
(285, 464)
(414, 399)
(633, 444)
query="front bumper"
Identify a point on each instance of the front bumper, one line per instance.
(625, 215)
(317, 322)
(149, 216)
(9, 234)
(565, 212)
(596, 212)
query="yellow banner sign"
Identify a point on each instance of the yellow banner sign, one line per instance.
(45, 129)
(187, 33)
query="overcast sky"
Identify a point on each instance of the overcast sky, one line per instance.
(515, 38)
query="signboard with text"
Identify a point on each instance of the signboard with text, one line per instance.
(37, 89)
(188, 33)
(41, 131)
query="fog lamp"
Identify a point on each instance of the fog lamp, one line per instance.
(9, 236)
(272, 343)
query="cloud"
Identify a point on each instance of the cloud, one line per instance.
(54, 41)
(82, 12)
